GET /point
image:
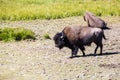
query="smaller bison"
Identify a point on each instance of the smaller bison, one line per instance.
(77, 37)
(93, 21)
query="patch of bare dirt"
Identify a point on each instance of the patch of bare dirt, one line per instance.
(110, 65)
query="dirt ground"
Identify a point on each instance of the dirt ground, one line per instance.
(41, 60)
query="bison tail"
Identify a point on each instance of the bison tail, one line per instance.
(106, 28)
(104, 37)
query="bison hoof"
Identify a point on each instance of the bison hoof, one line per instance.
(75, 56)
(94, 54)
(100, 54)
(84, 55)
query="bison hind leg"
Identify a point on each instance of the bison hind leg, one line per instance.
(101, 48)
(98, 45)
(95, 50)
(82, 48)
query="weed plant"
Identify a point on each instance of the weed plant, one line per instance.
(46, 36)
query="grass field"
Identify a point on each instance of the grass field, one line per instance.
(53, 9)
(15, 34)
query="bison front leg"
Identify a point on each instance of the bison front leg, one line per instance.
(74, 51)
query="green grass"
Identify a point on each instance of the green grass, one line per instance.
(15, 34)
(53, 9)
(46, 36)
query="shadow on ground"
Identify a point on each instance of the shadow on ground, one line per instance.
(103, 54)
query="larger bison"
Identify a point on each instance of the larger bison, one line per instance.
(78, 37)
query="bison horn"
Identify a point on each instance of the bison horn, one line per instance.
(63, 35)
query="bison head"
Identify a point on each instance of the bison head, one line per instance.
(59, 40)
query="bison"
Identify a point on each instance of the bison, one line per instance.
(78, 37)
(94, 21)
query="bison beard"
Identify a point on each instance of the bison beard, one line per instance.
(77, 37)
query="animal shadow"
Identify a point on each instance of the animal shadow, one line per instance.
(92, 54)
(109, 53)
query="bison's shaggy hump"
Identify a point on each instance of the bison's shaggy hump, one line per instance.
(72, 32)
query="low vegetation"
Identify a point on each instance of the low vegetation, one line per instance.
(52, 9)
(15, 34)
(46, 36)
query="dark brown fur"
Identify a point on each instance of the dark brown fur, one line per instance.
(77, 37)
